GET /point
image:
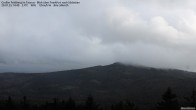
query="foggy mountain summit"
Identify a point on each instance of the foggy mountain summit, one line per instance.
(143, 85)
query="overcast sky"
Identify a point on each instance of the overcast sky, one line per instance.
(155, 33)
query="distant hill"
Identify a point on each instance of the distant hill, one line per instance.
(110, 83)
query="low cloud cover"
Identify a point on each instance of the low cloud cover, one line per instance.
(155, 33)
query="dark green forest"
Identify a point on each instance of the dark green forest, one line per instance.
(111, 87)
(169, 101)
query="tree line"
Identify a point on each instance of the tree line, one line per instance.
(168, 102)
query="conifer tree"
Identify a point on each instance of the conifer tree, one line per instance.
(10, 105)
(169, 101)
(90, 104)
(191, 101)
(130, 106)
(70, 104)
(24, 104)
(127, 105)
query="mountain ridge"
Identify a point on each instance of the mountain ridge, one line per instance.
(106, 83)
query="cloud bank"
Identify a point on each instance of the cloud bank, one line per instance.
(152, 33)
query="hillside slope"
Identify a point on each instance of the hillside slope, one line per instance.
(108, 83)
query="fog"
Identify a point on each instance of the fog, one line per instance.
(155, 33)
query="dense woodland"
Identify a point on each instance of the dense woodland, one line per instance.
(168, 102)
(112, 87)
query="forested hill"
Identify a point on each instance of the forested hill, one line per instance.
(110, 83)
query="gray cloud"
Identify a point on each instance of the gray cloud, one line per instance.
(153, 33)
